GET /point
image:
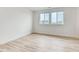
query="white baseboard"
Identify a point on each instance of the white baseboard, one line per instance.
(73, 37)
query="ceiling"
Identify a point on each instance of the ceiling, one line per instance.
(37, 8)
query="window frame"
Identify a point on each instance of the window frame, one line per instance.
(57, 18)
(44, 17)
(50, 17)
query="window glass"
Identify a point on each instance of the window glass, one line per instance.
(53, 18)
(41, 18)
(46, 21)
(44, 18)
(60, 17)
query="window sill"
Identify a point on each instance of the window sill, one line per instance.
(53, 24)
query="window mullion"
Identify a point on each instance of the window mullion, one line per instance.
(49, 17)
(44, 19)
(56, 17)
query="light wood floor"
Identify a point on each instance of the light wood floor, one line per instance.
(41, 43)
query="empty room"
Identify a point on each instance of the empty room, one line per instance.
(39, 29)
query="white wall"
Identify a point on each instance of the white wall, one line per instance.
(14, 23)
(68, 29)
(77, 23)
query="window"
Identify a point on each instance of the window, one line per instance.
(52, 18)
(41, 18)
(44, 18)
(60, 17)
(57, 18)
